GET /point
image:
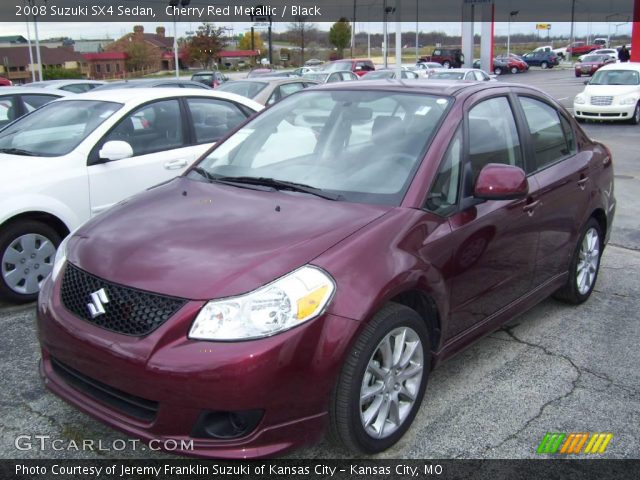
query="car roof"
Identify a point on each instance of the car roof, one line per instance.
(143, 95)
(34, 91)
(271, 80)
(431, 87)
(55, 83)
(623, 66)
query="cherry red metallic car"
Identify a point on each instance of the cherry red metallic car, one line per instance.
(308, 273)
(5, 82)
(514, 64)
(591, 64)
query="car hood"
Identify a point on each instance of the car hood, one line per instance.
(611, 89)
(197, 240)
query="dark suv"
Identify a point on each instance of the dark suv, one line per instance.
(447, 57)
(541, 59)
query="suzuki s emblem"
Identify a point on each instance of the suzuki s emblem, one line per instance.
(96, 306)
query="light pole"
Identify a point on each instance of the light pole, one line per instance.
(174, 4)
(417, 49)
(512, 14)
(32, 4)
(33, 72)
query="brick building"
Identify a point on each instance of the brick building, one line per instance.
(160, 47)
(15, 64)
(105, 65)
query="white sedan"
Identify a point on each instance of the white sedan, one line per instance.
(613, 93)
(76, 157)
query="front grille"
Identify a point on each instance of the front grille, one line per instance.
(601, 101)
(136, 407)
(126, 310)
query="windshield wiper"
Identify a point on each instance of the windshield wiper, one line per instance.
(18, 151)
(281, 185)
(204, 173)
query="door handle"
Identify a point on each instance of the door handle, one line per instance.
(175, 164)
(582, 183)
(529, 208)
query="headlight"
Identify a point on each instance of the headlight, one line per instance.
(579, 99)
(628, 101)
(60, 258)
(283, 304)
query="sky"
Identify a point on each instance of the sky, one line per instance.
(114, 30)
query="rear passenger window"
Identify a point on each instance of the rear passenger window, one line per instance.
(551, 141)
(493, 137)
(213, 118)
(289, 88)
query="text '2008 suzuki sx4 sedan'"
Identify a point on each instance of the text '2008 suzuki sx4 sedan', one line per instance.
(309, 271)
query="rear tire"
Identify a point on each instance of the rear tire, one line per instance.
(497, 71)
(584, 267)
(446, 64)
(544, 65)
(27, 252)
(514, 70)
(382, 382)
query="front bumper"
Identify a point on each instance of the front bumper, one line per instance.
(288, 376)
(603, 112)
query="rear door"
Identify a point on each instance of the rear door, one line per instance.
(562, 178)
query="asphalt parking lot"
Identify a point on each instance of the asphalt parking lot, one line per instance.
(556, 368)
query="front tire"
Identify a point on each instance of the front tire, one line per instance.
(514, 70)
(544, 65)
(382, 382)
(446, 64)
(635, 119)
(27, 252)
(585, 265)
(497, 71)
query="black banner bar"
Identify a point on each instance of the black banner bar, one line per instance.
(311, 10)
(322, 469)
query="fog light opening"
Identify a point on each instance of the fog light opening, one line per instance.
(226, 425)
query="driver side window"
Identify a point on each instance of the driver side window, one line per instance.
(151, 128)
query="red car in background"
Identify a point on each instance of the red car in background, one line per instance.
(309, 272)
(514, 63)
(580, 48)
(359, 66)
(5, 82)
(591, 64)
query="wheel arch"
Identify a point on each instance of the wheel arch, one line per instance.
(47, 218)
(600, 217)
(426, 307)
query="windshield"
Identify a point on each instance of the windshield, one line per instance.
(319, 77)
(56, 128)
(616, 77)
(363, 146)
(336, 66)
(378, 74)
(246, 89)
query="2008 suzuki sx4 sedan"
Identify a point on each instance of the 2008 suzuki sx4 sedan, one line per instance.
(308, 272)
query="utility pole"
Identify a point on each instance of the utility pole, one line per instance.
(33, 72)
(353, 28)
(176, 60)
(571, 39)
(417, 49)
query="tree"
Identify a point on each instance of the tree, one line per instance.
(206, 44)
(141, 56)
(340, 35)
(299, 33)
(245, 41)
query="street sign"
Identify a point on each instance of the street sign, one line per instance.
(543, 26)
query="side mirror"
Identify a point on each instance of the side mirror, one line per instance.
(115, 150)
(586, 82)
(497, 181)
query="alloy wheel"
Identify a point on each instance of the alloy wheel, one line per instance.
(588, 260)
(391, 382)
